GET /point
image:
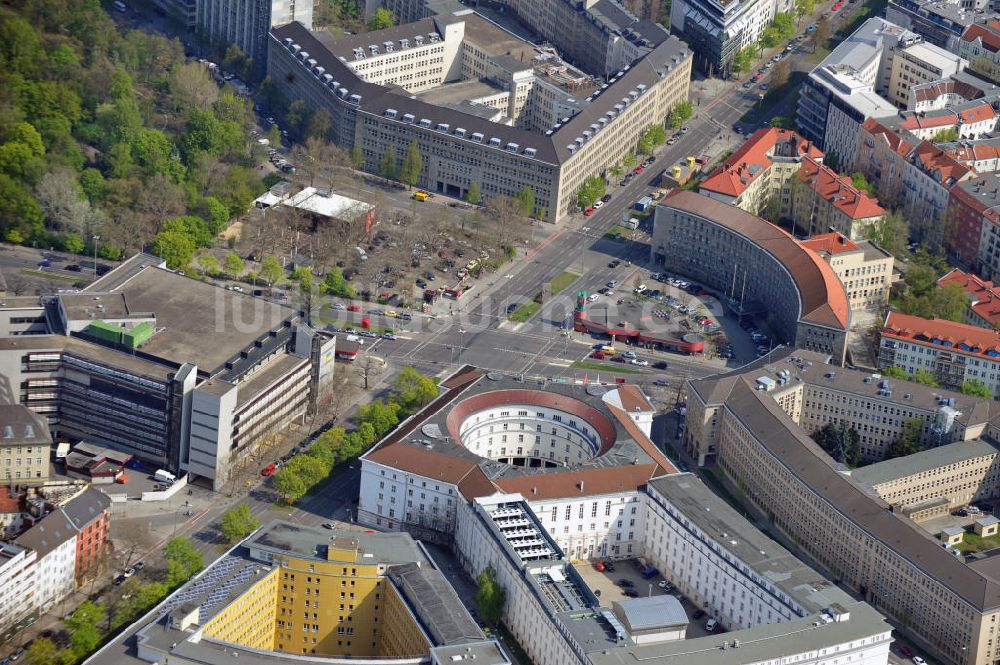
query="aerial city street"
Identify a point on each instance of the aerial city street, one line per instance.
(524, 331)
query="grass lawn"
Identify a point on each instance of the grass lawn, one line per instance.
(618, 230)
(49, 275)
(562, 281)
(583, 364)
(525, 312)
(974, 543)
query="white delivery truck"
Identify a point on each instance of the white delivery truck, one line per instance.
(164, 476)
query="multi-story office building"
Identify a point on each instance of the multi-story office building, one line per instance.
(579, 458)
(244, 23)
(984, 298)
(717, 30)
(953, 352)
(929, 484)
(182, 374)
(920, 63)
(847, 87)
(463, 145)
(296, 592)
(944, 603)
(755, 264)
(940, 22)
(555, 616)
(864, 268)
(24, 445)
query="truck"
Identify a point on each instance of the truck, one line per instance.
(643, 204)
(164, 476)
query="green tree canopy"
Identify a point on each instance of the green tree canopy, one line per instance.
(976, 388)
(473, 195)
(175, 247)
(233, 265)
(289, 486)
(413, 164)
(415, 390)
(593, 188)
(335, 284)
(387, 165)
(860, 182)
(183, 561)
(271, 270)
(382, 19)
(490, 597)
(525, 201)
(841, 442)
(238, 523)
(383, 416)
(43, 651)
(680, 114)
(84, 625)
(909, 441)
(891, 233)
(744, 58)
(925, 377)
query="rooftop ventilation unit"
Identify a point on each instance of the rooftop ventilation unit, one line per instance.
(327, 78)
(460, 132)
(287, 41)
(571, 148)
(641, 88)
(443, 127)
(408, 117)
(342, 92)
(390, 113)
(334, 84)
(634, 94)
(424, 122)
(511, 147)
(294, 48)
(595, 128)
(359, 53)
(419, 40)
(303, 55)
(404, 43)
(373, 48)
(587, 133)
(477, 136)
(434, 37)
(389, 47)
(495, 142)
(319, 71)
(529, 152)
(311, 62)
(355, 99)
(548, 132)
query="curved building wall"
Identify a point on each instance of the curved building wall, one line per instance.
(717, 245)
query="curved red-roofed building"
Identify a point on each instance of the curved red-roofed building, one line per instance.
(756, 267)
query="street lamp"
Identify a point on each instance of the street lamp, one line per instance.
(96, 238)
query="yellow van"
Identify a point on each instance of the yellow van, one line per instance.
(608, 350)
(421, 196)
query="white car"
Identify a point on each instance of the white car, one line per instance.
(612, 284)
(598, 203)
(339, 306)
(711, 625)
(665, 585)
(919, 661)
(629, 354)
(593, 296)
(640, 362)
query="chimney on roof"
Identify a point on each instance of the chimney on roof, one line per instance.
(580, 485)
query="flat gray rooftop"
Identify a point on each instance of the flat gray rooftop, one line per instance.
(767, 642)
(717, 520)
(453, 93)
(311, 542)
(925, 460)
(435, 604)
(198, 322)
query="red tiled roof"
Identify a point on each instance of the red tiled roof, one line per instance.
(977, 113)
(894, 140)
(9, 503)
(633, 399)
(975, 152)
(962, 337)
(754, 158)
(839, 190)
(830, 243)
(916, 121)
(823, 298)
(990, 38)
(984, 297)
(937, 163)
(568, 483)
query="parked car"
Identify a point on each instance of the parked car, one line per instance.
(711, 625)
(599, 567)
(598, 355)
(625, 583)
(328, 525)
(268, 470)
(354, 308)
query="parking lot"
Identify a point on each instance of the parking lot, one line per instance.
(608, 586)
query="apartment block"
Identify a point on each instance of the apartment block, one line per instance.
(821, 201)
(984, 298)
(88, 512)
(864, 268)
(920, 63)
(718, 30)
(17, 583)
(940, 22)
(461, 142)
(952, 352)
(973, 235)
(757, 265)
(24, 445)
(53, 540)
(980, 45)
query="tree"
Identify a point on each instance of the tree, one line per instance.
(628, 161)
(593, 188)
(490, 597)
(769, 38)
(73, 243)
(925, 378)
(415, 390)
(680, 114)
(743, 59)
(821, 35)
(83, 624)
(896, 372)
(891, 233)
(976, 388)
(804, 7)
(183, 561)
(383, 416)
(233, 265)
(909, 441)
(238, 523)
(860, 182)
(357, 157)
(387, 165)
(191, 86)
(319, 124)
(274, 136)
(841, 442)
(288, 485)
(780, 73)
(335, 284)
(297, 116)
(303, 276)
(174, 247)
(526, 201)
(474, 195)
(382, 19)
(785, 25)
(43, 651)
(413, 164)
(208, 264)
(271, 270)
(945, 136)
